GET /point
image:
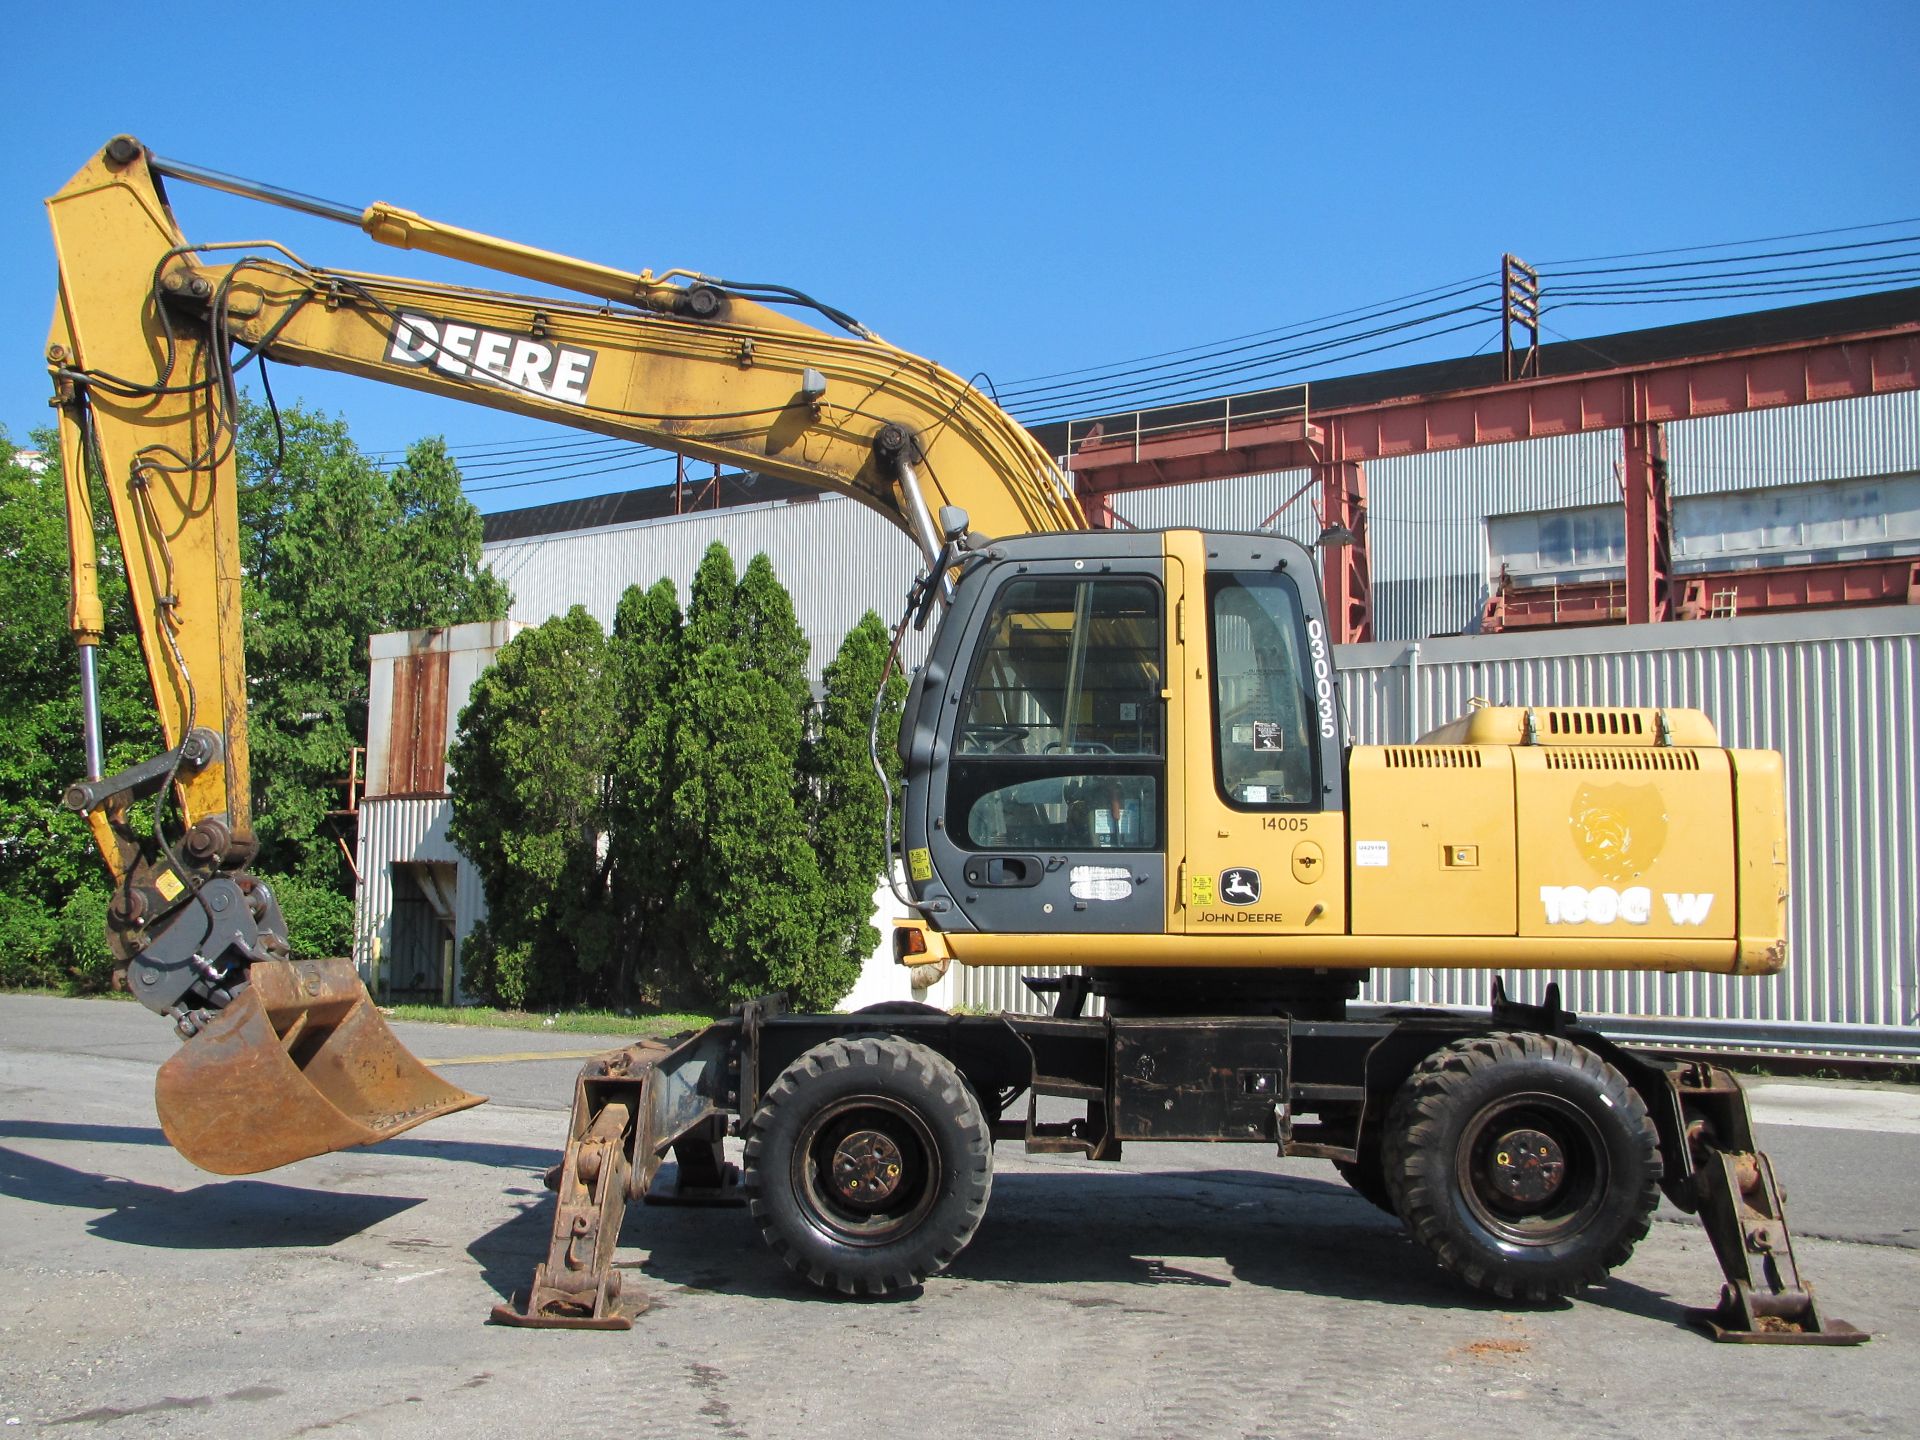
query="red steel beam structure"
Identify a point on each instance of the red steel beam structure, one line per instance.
(1637, 399)
(1709, 594)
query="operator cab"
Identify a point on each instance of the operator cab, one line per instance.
(1099, 702)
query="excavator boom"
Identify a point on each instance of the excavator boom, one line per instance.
(285, 1059)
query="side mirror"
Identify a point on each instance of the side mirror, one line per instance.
(953, 523)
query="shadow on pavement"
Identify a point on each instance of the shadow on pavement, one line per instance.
(1140, 1230)
(472, 1152)
(228, 1215)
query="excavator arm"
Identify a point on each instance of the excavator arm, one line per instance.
(283, 1059)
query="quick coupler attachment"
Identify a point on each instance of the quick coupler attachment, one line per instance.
(1733, 1190)
(630, 1108)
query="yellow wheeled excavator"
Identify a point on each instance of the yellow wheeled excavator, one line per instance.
(1122, 755)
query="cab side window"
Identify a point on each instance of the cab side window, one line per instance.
(1263, 708)
(1061, 739)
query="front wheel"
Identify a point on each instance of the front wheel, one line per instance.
(869, 1164)
(1525, 1163)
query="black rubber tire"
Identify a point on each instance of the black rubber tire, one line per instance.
(1368, 1177)
(874, 1101)
(1448, 1140)
(903, 1007)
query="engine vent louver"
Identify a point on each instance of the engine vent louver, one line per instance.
(1432, 757)
(1622, 760)
(1595, 722)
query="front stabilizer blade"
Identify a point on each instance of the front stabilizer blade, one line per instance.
(299, 1064)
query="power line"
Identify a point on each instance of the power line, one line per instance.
(1733, 244)
(1266, 379)
(1741, 259)
(1263, 357)
(1018, 391)
(571, 475)
(1278, 331)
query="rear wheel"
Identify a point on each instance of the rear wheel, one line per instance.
(1368, 1179)
(902, 1007)
(1366, 1173)
(869, 1164)
(1525, 1163)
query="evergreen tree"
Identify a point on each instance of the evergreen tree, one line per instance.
(845, 804)
(530, 803)
(750, 891)
(649, 846)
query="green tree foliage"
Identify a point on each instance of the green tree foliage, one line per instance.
(336, 551)
(530, 793)
(319, 918)
(663, 815)
(751, 891)
(845, 804)
(649, 849)
(333, 551)
(48, 870)
(434, 575)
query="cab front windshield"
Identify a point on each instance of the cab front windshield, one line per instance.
(1060, 743)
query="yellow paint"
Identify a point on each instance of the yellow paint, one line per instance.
(1470, 850)
(1309, 863)
(721, 389)
(1211, 835)
(1760, 834)
(1415, 816)
(1666, 832)
(1316, 950)
(514, 1057)
(168, 884)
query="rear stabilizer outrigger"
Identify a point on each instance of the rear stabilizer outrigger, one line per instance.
(631, 1108)
(1732, 1188)
(1714, 1169)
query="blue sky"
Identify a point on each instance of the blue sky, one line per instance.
(1014, 189)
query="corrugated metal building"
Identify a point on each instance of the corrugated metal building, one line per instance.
(1436, 521)
(419, 899)
(1835, 691)
(837, 558)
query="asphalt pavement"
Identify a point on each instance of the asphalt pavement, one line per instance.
(1194, 1290)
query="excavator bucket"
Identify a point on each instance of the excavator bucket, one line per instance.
(300, 1063)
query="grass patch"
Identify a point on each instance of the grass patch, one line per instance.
(570, 1022)
(66, 992)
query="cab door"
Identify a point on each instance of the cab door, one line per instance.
(1050, 811)
(1265, 827)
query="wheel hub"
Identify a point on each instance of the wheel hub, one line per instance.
(867, 1168)
(1527, 1166)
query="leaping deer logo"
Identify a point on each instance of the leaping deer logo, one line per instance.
(1240, 887)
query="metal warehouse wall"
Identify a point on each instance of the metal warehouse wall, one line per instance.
(1837, 693)
(1426, 516)
(409, 829)
(835, 556)
(406, 741)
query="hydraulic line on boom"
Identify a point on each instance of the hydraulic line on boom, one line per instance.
(283, 1059)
